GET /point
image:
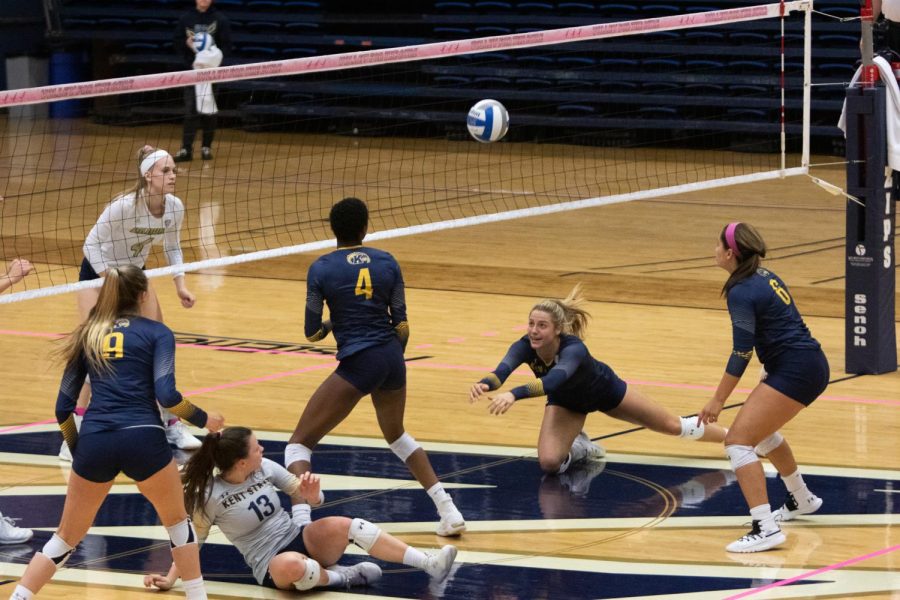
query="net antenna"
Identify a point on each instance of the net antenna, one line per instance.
(273, 188)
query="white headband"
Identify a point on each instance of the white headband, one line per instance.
(151, 159)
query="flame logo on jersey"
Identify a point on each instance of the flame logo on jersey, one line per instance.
(358, 258)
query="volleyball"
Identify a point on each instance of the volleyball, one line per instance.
(487, 121)
(201, 41)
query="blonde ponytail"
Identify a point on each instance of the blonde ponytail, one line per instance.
(567, 314)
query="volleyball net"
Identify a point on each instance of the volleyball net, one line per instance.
(599, 114)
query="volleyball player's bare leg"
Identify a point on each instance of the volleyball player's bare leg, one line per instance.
(559, 429)
(640, 410)
(390, 406)
(329, 405)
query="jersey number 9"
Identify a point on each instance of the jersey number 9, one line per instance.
(114, 345)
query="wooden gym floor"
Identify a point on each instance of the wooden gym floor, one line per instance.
(650, 522)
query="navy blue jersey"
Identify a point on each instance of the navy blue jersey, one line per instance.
(571, 379)
(363, 288)
(764, 316)
(141, 356)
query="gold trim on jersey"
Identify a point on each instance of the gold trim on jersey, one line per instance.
(69, 431)
(184, 409)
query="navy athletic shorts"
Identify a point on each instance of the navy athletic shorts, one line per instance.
(295, 545)
(375, 368)
(606, 392)
(87, 272)
(801, 375)
(139, 452)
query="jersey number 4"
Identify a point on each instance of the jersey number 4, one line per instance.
(364, 283)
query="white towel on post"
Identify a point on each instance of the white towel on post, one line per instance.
(892, 110)
(207, 58)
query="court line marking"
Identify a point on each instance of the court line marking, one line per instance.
(424, 364)
(523, 452)
(813, 573)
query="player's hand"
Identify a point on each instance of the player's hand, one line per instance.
(18, 269)
(477, 391)
(310, 488)
(160, 582)
(710, 412)
(214, 421)
(501, 403)
(187, 298)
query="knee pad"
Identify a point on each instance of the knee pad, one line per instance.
(690, 430)
(404, 446)
(740, 456)
(364, 534)
(182, 533)
(295, 452)
(769, 444)
(310, 577)
(57, 550)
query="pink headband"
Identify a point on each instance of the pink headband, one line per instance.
(729, 237)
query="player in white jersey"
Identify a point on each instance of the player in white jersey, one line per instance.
(284, 550)
(131, 224)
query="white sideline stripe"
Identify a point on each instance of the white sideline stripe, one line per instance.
(329, 482)
(845, 581)
(349, 60)
(424, 228)
(488, 450)
(158, 532)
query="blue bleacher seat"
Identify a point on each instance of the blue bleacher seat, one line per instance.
(264, 26)
(528, 29)
(451, 80)
(844, 70)
(662, 37)
(619, 10)
(700, 8)
(536, 60)
(534, 6)
(576, 61)
(574, 110)
(493, 6)
(152, 23)
(746, 114)
(658, 112)
(452, 32)
(840, 12)
(114, 22)
(492, 81)
(302, 5)
(230, 3)
(702, 36)
(618, 87)
(705, 65)
(660, 10)
(838, 39)
(747, 37)
(575, 85)
(488, 30)
(618, 64)
(452, 6)
(257, 51)
(263, 4)
(660, 87)
(141, 47)
(750, 66)
(533, 83)
(704, 89)
(747, 89)
(661, 64)
(301, 26)
(576, 7)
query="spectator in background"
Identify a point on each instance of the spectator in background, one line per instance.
(202, 19)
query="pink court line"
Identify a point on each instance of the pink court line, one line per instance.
(456, 340)
(809, 574)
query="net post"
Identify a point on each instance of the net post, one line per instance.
(870, 336)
